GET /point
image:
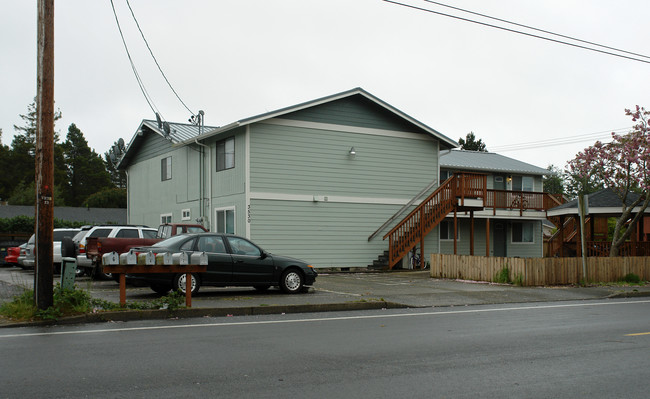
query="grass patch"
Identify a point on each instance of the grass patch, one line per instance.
(68, 302)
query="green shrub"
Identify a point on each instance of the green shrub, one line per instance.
(503, 276)
(631, 278)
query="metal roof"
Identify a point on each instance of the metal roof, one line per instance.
(486, 161)
(178, 131)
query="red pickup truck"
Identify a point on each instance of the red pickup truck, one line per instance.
(96, 247)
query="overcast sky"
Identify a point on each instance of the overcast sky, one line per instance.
(235, 59)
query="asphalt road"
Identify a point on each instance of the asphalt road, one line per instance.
(541, 350)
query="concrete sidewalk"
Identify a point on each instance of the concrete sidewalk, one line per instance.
(332, 292)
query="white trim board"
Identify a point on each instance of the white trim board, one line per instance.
(328, 198)
(347, 129)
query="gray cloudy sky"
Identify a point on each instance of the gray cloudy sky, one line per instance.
(236, 59)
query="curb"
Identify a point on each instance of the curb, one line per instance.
(182, 313)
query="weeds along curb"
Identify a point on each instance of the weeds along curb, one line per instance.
(182, 313)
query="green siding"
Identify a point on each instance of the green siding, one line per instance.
(149, 197)
(354, 111)
(522, 250)
(323, 233)
(230, 181)
(298, 160)
(151, 146)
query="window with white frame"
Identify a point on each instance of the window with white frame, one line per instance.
(523, 232)
(522, 183)
(186, 214)
(226, 154)
(447, 230)
(165, 218)
(166, 168)
(225, 218)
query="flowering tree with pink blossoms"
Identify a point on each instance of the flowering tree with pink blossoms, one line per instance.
(622, 166)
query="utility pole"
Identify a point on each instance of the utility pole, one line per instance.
(44, 273)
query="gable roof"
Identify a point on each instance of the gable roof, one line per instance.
(185, 134)
(604, 201)
(486, 161)
(178, 132)
(445, 141)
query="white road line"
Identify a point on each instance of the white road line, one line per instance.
(337, 292)
(441, 312)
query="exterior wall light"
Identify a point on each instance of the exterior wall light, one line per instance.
(352, 152)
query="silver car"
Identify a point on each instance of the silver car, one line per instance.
(29, 258)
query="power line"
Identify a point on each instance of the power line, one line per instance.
(535, 29)
(135, 71)
(154, 58)
(553, 142)
(515, 31)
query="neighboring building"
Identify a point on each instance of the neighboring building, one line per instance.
(71, 214)
(602, 207)
(317, 180)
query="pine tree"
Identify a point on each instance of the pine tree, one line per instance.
(86, 170)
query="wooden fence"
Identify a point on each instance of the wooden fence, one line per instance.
(539, 271)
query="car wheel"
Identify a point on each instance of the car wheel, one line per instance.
(79, 271)
(160, 289)
(261, 287)
(291, 281)
(98, 273)
(179, 283)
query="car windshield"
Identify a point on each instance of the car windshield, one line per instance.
(58, 235)
(171, 241)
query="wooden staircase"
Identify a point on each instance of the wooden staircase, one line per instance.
(454, 193)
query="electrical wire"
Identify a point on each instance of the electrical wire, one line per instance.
(515, 31)
(553, 142)
(155, 60)
(535, 29)
(135, 71)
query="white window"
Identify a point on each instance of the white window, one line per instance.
(226, 154)
(447, 230)
(186, 214)
(166, 168)
(225, 218)
(523, 232)
(165, 218)
(522, 183)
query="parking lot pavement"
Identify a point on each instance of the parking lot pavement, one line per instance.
(340, 291)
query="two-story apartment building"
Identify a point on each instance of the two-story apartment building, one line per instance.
(317, 180)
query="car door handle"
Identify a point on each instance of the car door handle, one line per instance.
(240, 261)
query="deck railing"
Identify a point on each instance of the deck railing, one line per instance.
(452, 193)
(411, 230)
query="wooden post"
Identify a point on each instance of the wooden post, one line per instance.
(487, 237)
(122, 289)
(471, 233)
(44, 159)
(562, 236)
(455, 231)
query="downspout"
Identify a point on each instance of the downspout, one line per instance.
(201, 173)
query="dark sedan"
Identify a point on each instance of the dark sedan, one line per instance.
(232, 261)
